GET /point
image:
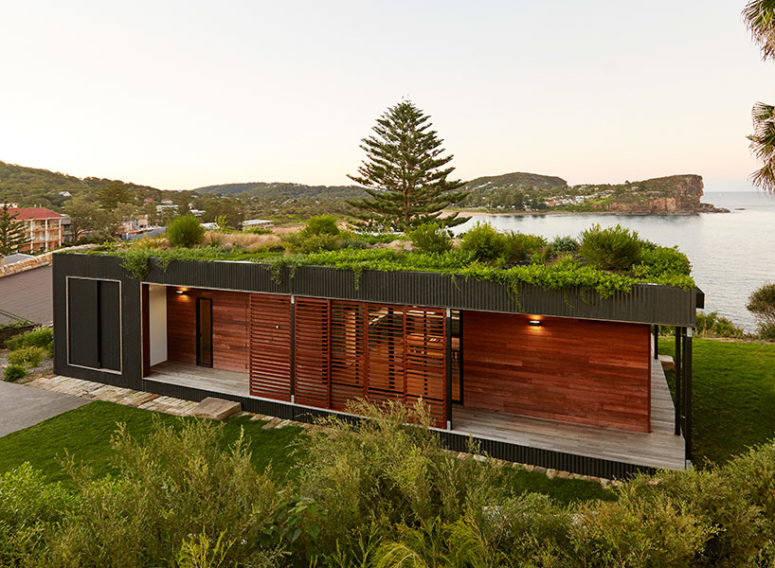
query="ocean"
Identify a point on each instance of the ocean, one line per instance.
(732, 254)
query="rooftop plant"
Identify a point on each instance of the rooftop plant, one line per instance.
(484, 254)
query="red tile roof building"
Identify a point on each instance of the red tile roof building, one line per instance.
(42, 228)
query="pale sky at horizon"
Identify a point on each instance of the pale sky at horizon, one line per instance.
(179, 95)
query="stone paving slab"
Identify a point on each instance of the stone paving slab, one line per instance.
(22, 407)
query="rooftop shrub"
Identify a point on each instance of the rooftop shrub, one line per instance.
(613, 248)
(484, 243)
(185, 231)
(565, 245)
(518, 247)
(431, 238)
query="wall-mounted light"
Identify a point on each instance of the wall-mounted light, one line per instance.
(181, 290)
(534, 322)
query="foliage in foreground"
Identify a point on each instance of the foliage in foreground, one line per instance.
(762, 305)
(375, 493)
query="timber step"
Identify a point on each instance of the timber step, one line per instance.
(667, 362)
(216, 408)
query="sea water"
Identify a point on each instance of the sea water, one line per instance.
(732, 254)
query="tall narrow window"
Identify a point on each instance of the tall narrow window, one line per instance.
(204, 332)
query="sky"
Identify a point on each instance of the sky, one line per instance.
(179, 95)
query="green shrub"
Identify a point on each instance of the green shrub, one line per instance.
(430, 238)
(762, 304)
(766, 331)
(519, 247)
(258, 231)
(30, 509)
(565, 245)
(714, 325)
(383, 472)
(13, 373)
(175, 483)
(30, 356)
(656, 260)
(321, 225)
(311, 243)
(185, 231)
(614, 248)
(484, 243)
(38, 337)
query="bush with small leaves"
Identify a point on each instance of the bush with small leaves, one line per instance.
(38, 337)
(519, 247)
(13, 373)
(613, 248)
(430, 238)
(321, 225)
(762, 304)
(185, 231)
(565, 245)
(30, 356)
(484, 243)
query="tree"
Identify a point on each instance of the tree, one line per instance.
(11, 232)
(759, 16)
(185, 231)
(405, 173)
(114, 193)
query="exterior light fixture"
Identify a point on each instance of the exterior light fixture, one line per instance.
(534, 322)
(181, 290)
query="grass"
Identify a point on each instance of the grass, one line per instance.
(84, 434)
(733, 396)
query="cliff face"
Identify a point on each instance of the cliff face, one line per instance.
(669, 195)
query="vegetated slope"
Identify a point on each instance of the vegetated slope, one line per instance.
(515, 180)
(283, 190)
(38, 187)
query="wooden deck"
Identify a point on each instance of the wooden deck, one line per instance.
(188, 375)
(660, 448)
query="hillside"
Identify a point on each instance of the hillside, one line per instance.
(515, 180)
(37, 187)
(283, 190)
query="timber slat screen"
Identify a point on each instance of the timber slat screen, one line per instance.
(270, 346)
(342, 351)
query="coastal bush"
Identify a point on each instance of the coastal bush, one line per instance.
(38, 337)
(30, 509)
(655, 260)
(177, 482)
(762, 304)
(30, 356)
(13, 373)
(714, 325)
(430, 238)
(185, 231)
(381, 472)
(613, 248)
(565, 245)
(484, 243)
(518, 247)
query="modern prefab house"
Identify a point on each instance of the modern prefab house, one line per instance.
(560, 379)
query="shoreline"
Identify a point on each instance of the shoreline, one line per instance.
(480, 213)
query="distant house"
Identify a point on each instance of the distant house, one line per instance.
(166, 207)
(42, 228)
(209, 226)
(257, 224)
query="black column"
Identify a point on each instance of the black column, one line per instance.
(688, 392)
(656, 342)
(678, 400)
(448, 355)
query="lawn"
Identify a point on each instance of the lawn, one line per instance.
(733, 396)
(85, 433)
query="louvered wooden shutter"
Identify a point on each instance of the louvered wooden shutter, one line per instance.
(426, 361)
(311, 352)
(270, 346)
(386, 353)
(348, 360)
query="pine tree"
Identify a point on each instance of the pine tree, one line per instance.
(11, 232)
(405, 174)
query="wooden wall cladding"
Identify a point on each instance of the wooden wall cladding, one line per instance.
(565, 369)
(230, 327)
